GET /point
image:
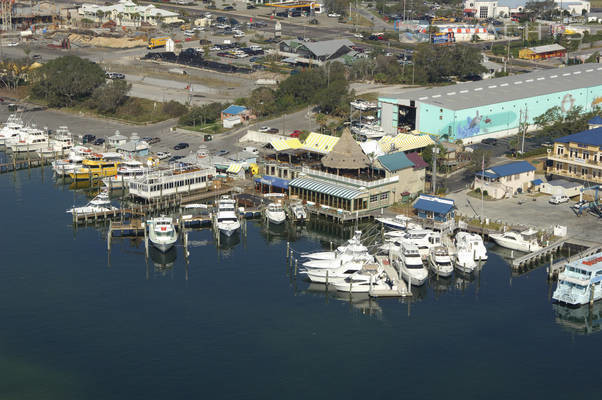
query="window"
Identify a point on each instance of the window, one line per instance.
(484, 12)
(373, 198)
(384, 196)
(560, 150)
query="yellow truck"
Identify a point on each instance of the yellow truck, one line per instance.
(153, 43)
(184, 27)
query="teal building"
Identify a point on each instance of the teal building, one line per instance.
(473, 111)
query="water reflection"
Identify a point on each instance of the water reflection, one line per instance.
(163, 262)
(583, 320)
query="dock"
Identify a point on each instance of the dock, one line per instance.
(395, 277)
(539, 255)
(103, 216)
(558, 267)
(28, 163)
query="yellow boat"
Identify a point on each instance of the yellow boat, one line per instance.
(95, 169)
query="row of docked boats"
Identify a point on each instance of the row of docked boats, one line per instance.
(19, 137)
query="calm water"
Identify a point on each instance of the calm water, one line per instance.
(76, 327)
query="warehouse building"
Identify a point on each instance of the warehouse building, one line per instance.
(473, 111)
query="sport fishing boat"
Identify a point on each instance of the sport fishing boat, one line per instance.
(227, 221)
(334, 275)
(333, 259)
(440, 262)
(29, 139)
(579, 283)
(74, 160)
(370, 277)
(100, 203)
(299, 211)
(423, 239)
(60, 141)
(95, 169)
(410, 263)
(525, 241)
(162, 233)
(399, 222)
(472, 242)
(465, 261)
(11, 129)
(275, 213)
(127, 171)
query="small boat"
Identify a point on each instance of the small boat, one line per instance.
(465, 261)
(525, 241)
(100, 203)
(226, 220)
(472, 242)
(410, 263)
(440, 262)
(127, 171)
(399, 222)
(579, 283)
(298, 211)
(275, 213)
(162, 233)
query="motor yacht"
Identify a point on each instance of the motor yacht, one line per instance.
(299, 211)
(11, 128)
(465, 261)
(473, 243)
(275, 213)
(400, 223)
(423, 239)
(162, 233)
(76, 156)
(333, 275)
(440, 262)
(127, 171)
(29, 139)
(353, 251)
(525, 241)
(410, 263)
(354, 245)
(60, 142)
(579, 283)
(100, 203)
(370, 277)
(226, 219)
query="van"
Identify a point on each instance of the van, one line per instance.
(557, 199)
(252, 150)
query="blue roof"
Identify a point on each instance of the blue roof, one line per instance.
(438, 205)
(234, 109)
(513, 168)
(273, 181)
(536, 182)
(395, 161)
(592, 137)
(597, 120)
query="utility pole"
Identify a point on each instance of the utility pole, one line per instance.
(435, 154)
(525, 126)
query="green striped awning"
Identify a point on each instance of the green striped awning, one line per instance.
(325, 188)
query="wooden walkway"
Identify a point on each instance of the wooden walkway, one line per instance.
(122, 213)
(29, 163)
(539, 254)
(402, 289)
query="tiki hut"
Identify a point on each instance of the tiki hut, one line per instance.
(346, 155)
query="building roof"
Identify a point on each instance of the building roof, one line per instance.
(132, 146)
(597, 120)
(438, 205)
(547, 48)
(234, 168)
(536, 182)
(395, 161)
(320, 143)
(418, 162)
(498, 90)
(346, 154)
(273, 181)
(285, 144)
(591, 137)
(325, 48)
(513, 168)
(234, 109)
(564, 183)
(325, 188)
(404, 142)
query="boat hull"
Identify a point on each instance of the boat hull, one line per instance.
(524, 247)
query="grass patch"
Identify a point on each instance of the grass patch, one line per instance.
(135, 110)
(360, 20)
(477, 195)
(210, 129)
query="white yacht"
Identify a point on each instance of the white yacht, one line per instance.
(226, 220)
(579, 283)
(333, 259)
(525, 241)
(333, 275)
(100, 203)
(424, 239)
(128, 170)
(353, 245)
(275, 213)
(370, 277)
(363, 105)
(162, 233)
(410, 263)
(465, 261)
(440, 262)
(299, 211)
(73, 162)
(11, 129)
(60, 142)
(30, 139)
(473, 243)
(400, 223)
(369, 131)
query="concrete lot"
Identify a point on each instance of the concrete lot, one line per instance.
(539, 213)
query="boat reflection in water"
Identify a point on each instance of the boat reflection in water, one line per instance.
(163, 261)
(583, 320)
(361, 302)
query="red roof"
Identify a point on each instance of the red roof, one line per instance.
(418, 162)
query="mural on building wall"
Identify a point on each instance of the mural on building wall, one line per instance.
(597, 102)
(481, 124)
(568, 101)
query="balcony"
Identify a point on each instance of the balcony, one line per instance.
(351, 181)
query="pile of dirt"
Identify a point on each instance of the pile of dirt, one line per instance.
(115, 43)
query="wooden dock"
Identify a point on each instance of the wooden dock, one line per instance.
(17, 165)
(93, 217)
(538, 255)
(558, 267)
(394, 276)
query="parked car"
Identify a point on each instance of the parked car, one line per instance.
(577, 206)
(264, 129)
(88, 138)
(557, 199)
(251, 7)
(114, 75)
(358, 35)
(175, 158)
(154, 140)
(490, 141)
(296, 133)
(207, 138)
(147, 139)
(228, 8)
(162, 155)
(314, 22)
(99, 142)
(222, 153)
(334, 15)
(273, 130)
(181, 146)
(36, 57)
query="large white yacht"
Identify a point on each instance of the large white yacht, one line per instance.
(522, 241)
(423, 239)
(579, 283)
(73, 162)
(473, 243)
(100, 203)
(12, 127)
(162, 233)
(128, 170)
(30, 139)
(410, 263)
(275, 213)
(61, 141)
(354, 250)
(370, 277)
(227, 221)
(440, 262)
(465, 261)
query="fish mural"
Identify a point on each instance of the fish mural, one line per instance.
(480, 124)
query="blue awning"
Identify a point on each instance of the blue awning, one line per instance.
(273, 181)
(438, 205)
(536, 182)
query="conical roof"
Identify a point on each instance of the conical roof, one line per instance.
(346, 154)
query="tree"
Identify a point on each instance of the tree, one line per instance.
(261, 101)
(476, 160)
(205, 114)
(66, 80)
(174, 109)
(107, 98)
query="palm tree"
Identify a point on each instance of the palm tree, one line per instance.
(135, 17)
(100, 15)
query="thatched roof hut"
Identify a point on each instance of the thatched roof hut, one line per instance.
(346, 154)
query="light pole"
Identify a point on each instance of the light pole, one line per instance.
(435, 153)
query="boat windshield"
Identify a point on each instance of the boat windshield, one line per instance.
(573, 285)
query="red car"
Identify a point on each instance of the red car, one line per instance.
(296, 133)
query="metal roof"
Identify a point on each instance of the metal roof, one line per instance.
(314, 185)
(592, 137)
(513, 168)
(327, 47)
(418, 162)
(508, 88)
(438, 205)
(234, 109)
(547, 48)
(273, 181)
(395, 161)
(597, 120)
(564, 183)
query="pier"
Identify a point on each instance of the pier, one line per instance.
(538, 255)
(102, 216)
(558, 267)
(394, 276)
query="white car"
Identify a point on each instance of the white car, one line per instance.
(239, 35)
(189, 33)
(163, 155)
(557, 199)
(12, 44)
(264, 129)
(334, 15)
(358, 35)
(198, 29)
